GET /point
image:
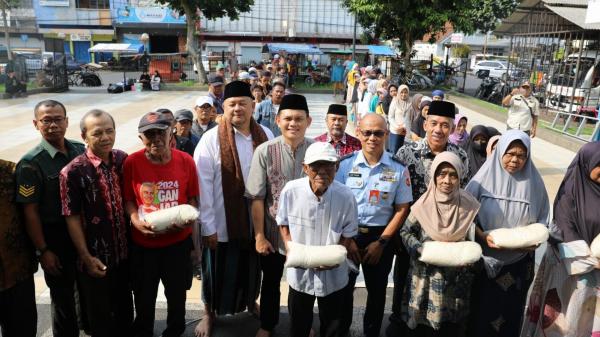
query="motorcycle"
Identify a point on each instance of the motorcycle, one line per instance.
(501, 89)
(486, 87)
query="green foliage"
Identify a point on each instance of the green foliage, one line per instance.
(488, 13)
(461, 50)
(410, 20)
(212, 9)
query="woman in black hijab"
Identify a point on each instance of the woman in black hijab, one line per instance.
(476, 146)
(565, 300)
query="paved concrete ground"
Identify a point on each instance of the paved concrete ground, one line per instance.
(17, 135)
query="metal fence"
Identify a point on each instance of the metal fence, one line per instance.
(582, 127)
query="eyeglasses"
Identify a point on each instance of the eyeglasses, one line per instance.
(376, 133)
(153, 133)
(204, 107)
(49, 121)
(318, 166)
(520, 157)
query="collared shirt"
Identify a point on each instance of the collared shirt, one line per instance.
(92, 189)
(198, 130)
(376, 188)
(317, 222)
(38, 174)
(344, 146)
(208, 163)
(218, 103)
(274, 164)
(17, 261)
(520, 112)
(265, 114)
(417, 157)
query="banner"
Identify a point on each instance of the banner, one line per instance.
(593, 12)
(149, 15)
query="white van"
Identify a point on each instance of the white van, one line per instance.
(562, 85)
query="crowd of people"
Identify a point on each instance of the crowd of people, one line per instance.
(411, 174)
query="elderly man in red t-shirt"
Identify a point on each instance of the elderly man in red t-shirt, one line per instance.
(170, 176)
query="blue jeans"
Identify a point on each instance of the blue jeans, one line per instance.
(395, 142)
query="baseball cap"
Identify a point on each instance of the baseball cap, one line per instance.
(184, 115)
(244, 76)
(216, 80)
(205, 100)
(220, 66)
(153, 120)
(320, 151)
(526, 84)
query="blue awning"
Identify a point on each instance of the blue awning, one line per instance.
(381, 50)
(291, 48)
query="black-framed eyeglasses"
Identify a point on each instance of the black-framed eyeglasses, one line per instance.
(376, 133)
(152, 133)
(321, 165)
(49, 121)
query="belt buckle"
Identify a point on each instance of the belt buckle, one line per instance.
(363, 230)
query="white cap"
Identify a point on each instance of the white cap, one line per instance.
(276, 56)
(244, 75)
(320, 151)
(369, 68)
(204, 100)
(251, 69)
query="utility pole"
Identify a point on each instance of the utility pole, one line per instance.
(5, 7)
(354, 41)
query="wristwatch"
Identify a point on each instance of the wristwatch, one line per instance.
(40, 252)
(383, 241)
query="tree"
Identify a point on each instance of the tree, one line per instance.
(487, 15)
(210, 9)
(5, 6)
(410, 20)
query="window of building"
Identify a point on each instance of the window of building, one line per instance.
(93, 4)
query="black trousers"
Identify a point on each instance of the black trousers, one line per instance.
(301, 305)
(171, 265)
(109, 304)
(397, 325)
(447, 330)
(270, 294)
(376, 280)
(63, 293)
(18, 314)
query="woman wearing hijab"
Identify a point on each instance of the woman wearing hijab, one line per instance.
(476, 147)
(460, 136)
(364, 97)
(364, 107)
(512, 194)
(387, 101)
(414, 109)
(491, 145)
(564, 300)
(437, 95)
(399, 119)
(436, 301)
(378, 100)
(418, 123)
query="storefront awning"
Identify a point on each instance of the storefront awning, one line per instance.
(291, 48)
(381, 50)
(131, 48)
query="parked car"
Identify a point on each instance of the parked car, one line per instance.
(564, 85)
(497, 69)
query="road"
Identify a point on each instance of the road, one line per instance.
(18, 135)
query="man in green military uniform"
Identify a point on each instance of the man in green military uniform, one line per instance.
(37, 178)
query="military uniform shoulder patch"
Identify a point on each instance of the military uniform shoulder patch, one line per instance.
(26, 190)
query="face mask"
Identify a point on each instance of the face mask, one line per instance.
(480, 146)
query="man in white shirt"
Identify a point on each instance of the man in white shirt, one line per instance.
(317, 211)
(231, 275)
(523, 110)
(205, 116)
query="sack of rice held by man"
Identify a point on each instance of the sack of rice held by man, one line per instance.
(303, 256)
(450, 254)
(160, 220)
(520, 237)
(595, 247)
